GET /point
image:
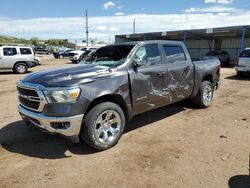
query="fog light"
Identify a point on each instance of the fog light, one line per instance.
(60, 125)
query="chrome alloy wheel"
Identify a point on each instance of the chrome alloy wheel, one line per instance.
(107, 126)
(208, 94)
(21, 68)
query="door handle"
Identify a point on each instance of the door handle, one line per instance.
(186, 69)
(161, 73)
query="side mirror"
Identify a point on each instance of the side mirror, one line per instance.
(136, 65)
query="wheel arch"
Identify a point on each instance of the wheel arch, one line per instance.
(209, 78)
(19, 62)
(115, 98)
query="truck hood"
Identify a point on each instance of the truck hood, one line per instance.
(68, 76)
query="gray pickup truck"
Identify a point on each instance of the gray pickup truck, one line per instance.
(94, 100)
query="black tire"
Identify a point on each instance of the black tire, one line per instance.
(205, 95)
(89, 131)
(240, 74)
(21, 68)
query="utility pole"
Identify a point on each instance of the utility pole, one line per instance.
(134, 26)
(87, 29)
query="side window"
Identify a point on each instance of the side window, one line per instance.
(25, 51)
(9, 51)
(148, 55)
(245, 53)
(174, 54)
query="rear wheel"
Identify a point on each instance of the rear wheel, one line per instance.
(21, 68)
(205, 95)
(103, 126)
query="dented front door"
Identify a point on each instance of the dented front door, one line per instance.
(149, 80)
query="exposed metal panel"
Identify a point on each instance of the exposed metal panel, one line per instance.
(198, 44)
(231, 43)
(247, 42)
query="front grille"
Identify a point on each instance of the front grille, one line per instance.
(27, 92)
(29, 98)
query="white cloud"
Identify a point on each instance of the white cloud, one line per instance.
(106, 28)
(119, 14)
(114, 29)
(108, 5)
(219, 1)
(101, 27)
(120, 7)
(213, 9)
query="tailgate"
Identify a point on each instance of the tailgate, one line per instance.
(244, 61)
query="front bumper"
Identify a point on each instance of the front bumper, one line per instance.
(46, 122)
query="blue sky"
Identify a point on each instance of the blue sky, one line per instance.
(64, 18)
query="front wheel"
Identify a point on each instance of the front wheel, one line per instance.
(103, 126)
(205, 95)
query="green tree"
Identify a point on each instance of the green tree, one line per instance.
(34, 41)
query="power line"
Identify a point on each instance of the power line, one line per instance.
(87, 28)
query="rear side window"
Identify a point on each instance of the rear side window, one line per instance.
(9, 51)
(174, 54)
(245, 53)
(25, 51)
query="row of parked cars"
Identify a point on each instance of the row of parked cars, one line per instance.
(74, 55)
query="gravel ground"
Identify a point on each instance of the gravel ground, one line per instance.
(175, 146)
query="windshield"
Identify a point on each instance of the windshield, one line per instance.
(110, 56)
(245, 53)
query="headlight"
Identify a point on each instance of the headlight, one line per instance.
(62, 95)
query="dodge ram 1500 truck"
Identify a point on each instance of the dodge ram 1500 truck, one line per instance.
(94, 100)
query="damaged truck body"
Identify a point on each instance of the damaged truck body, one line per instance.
(93, 101)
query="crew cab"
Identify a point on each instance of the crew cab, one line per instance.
(94, 100)
(16, 58)
(243, 64)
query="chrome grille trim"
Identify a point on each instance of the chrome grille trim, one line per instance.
(35, 87)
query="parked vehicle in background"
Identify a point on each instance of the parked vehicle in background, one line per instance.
(77, 56)
(16, 58)
(243, 63)
(223, 56)
(62, 54)
(41, 50)
(93, 101)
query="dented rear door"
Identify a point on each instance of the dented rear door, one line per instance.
(180, 73)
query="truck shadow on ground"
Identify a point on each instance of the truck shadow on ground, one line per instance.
(245, 78)
(17, 137)
(240, 181)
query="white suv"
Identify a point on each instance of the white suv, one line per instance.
(243, 64)
(16, 58)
